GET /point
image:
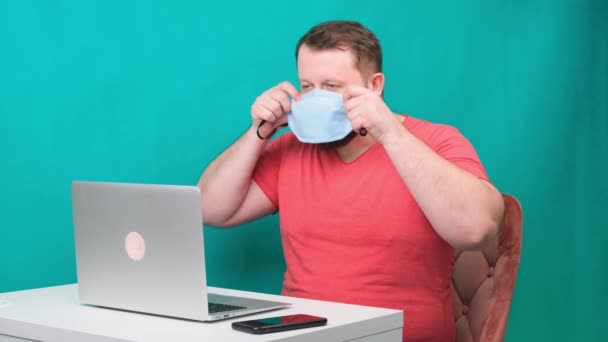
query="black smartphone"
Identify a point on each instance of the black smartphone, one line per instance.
(282, 323)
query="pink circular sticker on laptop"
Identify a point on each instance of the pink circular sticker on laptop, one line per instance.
(135, 245)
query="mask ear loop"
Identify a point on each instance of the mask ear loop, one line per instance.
(271, 133)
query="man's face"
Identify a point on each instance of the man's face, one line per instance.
(330, 70)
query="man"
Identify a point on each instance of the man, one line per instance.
(372, 218)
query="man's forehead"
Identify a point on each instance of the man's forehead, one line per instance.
(327, 66)
(326, 59)
(341, 51)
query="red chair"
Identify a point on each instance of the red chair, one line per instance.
(483, 281)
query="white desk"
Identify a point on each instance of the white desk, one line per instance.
(54, 314)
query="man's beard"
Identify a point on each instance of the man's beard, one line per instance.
(338, 143)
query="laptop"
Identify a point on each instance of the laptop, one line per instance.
(140, 248)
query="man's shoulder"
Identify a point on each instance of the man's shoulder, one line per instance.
(431, 132)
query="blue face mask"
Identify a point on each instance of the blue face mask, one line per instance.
(318, 117)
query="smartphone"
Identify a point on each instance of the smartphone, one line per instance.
(282, 323)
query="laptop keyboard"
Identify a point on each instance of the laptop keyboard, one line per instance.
(215, 307)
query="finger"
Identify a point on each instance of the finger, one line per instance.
(289, 89)
(272, 105)
(353, 91)
(359, 126)
(264, 114)
(353, 103)
(355, 113)
(282, 99)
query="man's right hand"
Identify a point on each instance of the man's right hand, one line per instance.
(272, 106)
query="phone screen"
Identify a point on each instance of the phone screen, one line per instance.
(290, 319)
(275, 324)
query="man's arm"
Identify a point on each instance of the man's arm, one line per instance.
(463, 209)
(229, 195)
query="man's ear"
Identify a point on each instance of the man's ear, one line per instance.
(376, 83)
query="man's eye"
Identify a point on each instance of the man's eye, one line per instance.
(332, 85)
(305, 86)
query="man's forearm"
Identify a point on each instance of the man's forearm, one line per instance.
(463, 209)
(225, 182)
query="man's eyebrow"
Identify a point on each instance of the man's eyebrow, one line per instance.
(332, 80)
(327, 80)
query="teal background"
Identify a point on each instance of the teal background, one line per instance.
(152, 91)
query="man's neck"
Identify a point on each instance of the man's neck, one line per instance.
(355, 148)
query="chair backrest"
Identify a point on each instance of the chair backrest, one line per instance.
(483, 281)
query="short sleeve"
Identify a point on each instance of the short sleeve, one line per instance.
(449, 143)
(266, 172)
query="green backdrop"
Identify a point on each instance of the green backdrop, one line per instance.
(152, 91)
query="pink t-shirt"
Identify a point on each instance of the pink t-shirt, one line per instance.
(353, 233)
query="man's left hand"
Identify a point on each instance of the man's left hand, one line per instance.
(366, 110)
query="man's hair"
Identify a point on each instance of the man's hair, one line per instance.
(346, 35)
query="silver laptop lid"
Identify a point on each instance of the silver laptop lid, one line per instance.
(140, 247)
